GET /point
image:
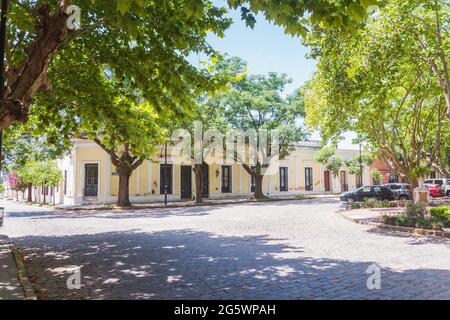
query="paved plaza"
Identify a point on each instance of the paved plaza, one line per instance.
(277, 250)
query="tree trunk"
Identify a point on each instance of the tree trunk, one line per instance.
(26, 79)
(30, 191)
(44, 191)
(123, 199)
(198, 183)
(258, 194)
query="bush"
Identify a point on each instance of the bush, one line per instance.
(405, 221)
(356, 205)
(415, 211)
(373, 203)
(441, 213)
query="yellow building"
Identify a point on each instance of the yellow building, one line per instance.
(89, 177)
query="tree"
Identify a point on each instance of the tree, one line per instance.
(356, 165)
(257, 103)
(124, 35)
(120, 33)
(208, 111)
(16, 183)
(376, 82)
(332, 162)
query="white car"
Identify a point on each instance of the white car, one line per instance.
(444, 183)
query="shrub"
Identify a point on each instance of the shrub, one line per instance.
(441, 213)
(372, 203)
(356, 205)
(415, 211)
(405, 221)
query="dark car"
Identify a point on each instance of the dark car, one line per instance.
(402, 191)
(374, 192)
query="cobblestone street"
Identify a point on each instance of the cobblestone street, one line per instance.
(277, 250)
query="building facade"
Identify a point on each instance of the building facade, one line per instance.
(89, 177)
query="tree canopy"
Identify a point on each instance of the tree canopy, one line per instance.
(383, 83)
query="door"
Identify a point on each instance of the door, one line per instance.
(165, 172)
(205, 175)
(226, 179)
(327, 181)
(186, 182)
(308, 179)
(91, 180)
(283, 179)
(344, 182)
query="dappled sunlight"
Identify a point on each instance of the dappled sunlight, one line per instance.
(188, 264)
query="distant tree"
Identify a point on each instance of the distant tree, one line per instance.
(257, 102)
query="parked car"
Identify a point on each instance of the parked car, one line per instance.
(444, 183)
(402, 191)
(374, 192)
(434, 190)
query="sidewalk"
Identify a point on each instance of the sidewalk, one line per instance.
(10, 286)
(206, 202)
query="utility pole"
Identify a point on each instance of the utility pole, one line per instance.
(2, 69)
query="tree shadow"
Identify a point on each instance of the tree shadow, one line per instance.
(187, 264)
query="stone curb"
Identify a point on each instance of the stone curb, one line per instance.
(22, 274)
(423, 232)
(180, 205)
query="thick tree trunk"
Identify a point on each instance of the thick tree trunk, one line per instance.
(198, 183)
(26, 79)
(123, 199)
(258, 194)
(30, 191)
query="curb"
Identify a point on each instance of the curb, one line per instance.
(22, 274)
(423, 232)
(181, 205)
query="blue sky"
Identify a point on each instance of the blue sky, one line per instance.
(267, 48)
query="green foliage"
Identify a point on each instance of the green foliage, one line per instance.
(441, 213)
(44, 174)
(415, 211)
(354, 165)
(405, 221)
(385, 81)
(376, 175)
(258, 102)
(295, 16)
(328, 158)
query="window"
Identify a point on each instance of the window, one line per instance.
(433, 175)
(165, 171)
(395, 187)
(308, 179)
(428, 181)
(439, 182)
(284, 186)
(394, 179)
(226, 179)
(65, 182)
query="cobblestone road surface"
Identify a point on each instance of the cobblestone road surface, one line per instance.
(279, 250)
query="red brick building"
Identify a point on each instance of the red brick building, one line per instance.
(387, 176)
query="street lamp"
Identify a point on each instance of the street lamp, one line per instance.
(165, 174)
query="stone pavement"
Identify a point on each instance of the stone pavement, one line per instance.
(10, 286)
(276, 250)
